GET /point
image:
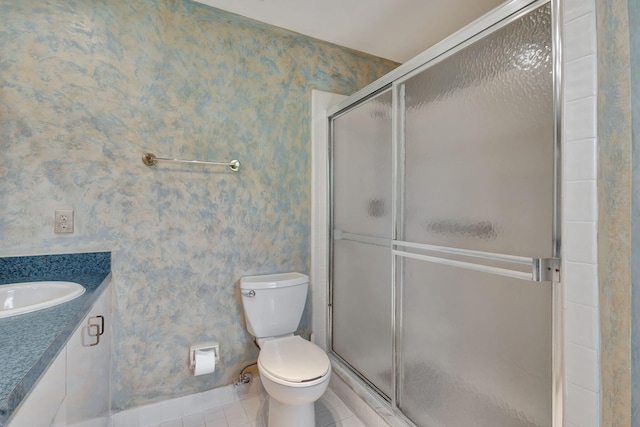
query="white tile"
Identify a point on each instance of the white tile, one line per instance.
(349, 422)
(351, 399)
(129, 418)
(235, 415)
(152, 414)
(341, 412)
(249, 412)
(94, 422)
(339, 387)
(217, 423)
(178, 407)
(220, 396)
(193, 403)
(237, 420)
(329, 399)
(579, 243)
(573, 9)
(580, 201)
(254, 407)
(580, 160)
(581, 365)
(364, 412)
(233, 409)
(170, 409)
(333, 415)
(579, 239)
(581, 283)
(341, 392)
(581, 406)
(257, 423)
(580, 119)
(60, 419)
(245, 391)
(214, 414)
(580, 78)
(582, 325)
(193, 420)
(579, 37)
(324, 418)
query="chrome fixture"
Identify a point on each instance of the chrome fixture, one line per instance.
(245, 377)
(249, 294)
(151, 159)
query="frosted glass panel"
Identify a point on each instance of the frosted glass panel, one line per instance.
(476, 167)
(479, 163)
(362, 168)
(362, 310)
(476, 348)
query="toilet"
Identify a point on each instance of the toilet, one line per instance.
(294, 372)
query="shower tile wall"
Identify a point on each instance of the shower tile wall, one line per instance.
(582, 342)
(86, 88)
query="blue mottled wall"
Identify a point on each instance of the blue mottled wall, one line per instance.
(634, 45)
(86, 87)
(614, 211)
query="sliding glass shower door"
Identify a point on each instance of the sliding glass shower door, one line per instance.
(444, 233)
(362, 222)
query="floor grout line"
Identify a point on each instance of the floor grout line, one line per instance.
(251, 411)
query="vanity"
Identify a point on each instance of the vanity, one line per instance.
(51, 358)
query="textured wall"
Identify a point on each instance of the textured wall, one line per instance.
(86, 87)
(614, 205)
(634, 45)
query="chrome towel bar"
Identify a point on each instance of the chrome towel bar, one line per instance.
(151, 159)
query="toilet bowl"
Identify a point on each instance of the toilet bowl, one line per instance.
(294, 372)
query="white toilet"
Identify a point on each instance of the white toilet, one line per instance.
(294, 371)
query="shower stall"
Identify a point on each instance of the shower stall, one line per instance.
(444, 247)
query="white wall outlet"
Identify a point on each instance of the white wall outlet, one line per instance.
(64, 221)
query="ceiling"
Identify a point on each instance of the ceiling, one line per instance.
(391, 29)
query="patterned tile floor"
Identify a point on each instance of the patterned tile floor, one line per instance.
(252, 412)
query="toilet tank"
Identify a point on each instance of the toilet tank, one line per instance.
(273, 303)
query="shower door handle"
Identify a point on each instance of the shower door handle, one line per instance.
(541, 269)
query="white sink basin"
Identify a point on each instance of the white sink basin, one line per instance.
(20, 298)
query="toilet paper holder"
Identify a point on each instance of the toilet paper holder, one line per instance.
(204, 346)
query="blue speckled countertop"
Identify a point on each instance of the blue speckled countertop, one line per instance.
(30, 342)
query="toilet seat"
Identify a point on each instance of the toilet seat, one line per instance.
(293, 359)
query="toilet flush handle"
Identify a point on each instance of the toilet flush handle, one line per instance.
(249, 294)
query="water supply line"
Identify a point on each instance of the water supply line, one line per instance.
(245, 377)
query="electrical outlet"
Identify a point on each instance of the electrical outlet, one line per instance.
(64, 221)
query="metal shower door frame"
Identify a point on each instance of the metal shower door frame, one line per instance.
(489, 23)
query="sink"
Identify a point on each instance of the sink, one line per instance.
(20, 298)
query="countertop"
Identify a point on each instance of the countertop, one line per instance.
(30, 342)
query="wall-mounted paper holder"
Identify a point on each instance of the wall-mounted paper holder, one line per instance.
(204, 346)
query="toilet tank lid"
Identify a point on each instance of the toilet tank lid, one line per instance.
(268, 281)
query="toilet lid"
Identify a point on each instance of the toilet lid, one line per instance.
(293, 359)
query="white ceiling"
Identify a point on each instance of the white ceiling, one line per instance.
(392, 29)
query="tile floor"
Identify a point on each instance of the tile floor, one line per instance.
(252, 412)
